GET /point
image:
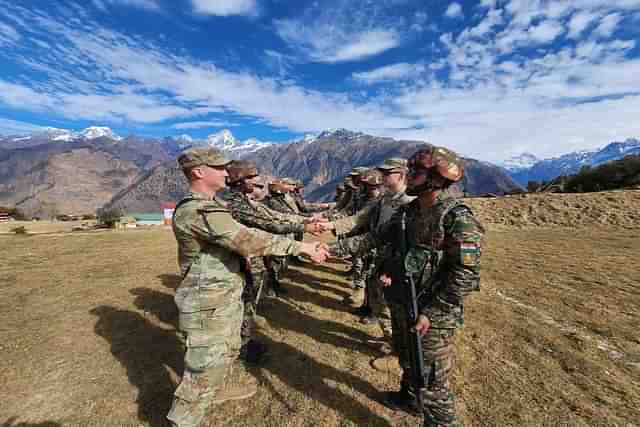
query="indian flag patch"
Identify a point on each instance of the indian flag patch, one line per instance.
(469, 253)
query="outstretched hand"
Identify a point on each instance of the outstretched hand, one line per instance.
(316, 251)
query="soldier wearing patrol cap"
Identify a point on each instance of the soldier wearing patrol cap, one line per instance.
(437, 240)
(242, 180)
(211, 248)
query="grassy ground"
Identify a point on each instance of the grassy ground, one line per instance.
(88, 336)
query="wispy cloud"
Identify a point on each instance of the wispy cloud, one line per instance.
(8, 34)
(204, 124)
(151, 5)
(329, 43)
(454, 11)
(394, 72)
(14, 127)
(346, 30)
(225, 7)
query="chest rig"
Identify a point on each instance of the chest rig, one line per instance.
(425, 237)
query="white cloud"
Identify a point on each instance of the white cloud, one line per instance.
(203, 124)
(392, 72)
(454, 11)
(579, 22)
(330, 43)
(546, 31)
(225, 7)
(8, 34)
(608, 25)
(14, 127)
(151, 5)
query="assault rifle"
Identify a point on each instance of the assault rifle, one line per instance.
(416, 361)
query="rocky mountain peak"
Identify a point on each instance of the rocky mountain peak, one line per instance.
(223, 140)
(519, 162)
(94, 132)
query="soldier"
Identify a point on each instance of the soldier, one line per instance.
(303, 205)
(443, 240)
(242, 180)
(372, 220)
(211, 247)
(371, 180)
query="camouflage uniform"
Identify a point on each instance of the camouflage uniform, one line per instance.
(372, 220)
(256, 215)
(211, 247)
(444, 249)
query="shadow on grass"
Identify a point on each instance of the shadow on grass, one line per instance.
(300, 276)
(283, 316)
(159, 304)
(318, 381)
(171, 281)
(148, 353)
(11, 422)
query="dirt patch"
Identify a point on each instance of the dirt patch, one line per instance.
(605, 209)
(88, 336)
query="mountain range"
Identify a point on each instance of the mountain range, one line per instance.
(320, 161)
(527, 167)
(55, 171)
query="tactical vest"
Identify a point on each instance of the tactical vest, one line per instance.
(425, 235)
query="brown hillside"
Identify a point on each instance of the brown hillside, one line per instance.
(610, 208)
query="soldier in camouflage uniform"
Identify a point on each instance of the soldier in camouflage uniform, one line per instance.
(372, 220)
(242, 180)
(444, 241)
(303, 205)
(372, 181)
(211, 248)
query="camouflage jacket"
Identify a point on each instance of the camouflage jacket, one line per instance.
(282, 202)
(211, 248)
(256, 215)
(305, 207)
(443, 249)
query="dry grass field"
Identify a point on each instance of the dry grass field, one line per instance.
(87, 335)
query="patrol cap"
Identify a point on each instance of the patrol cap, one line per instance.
(393, 164)
(289, 181)
(359, 170)
(348, 182)
(202, 156)
(372, 177)
(242, 169)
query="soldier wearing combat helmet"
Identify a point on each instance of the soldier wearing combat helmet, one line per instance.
(243, 180)
(443, 242)
(211, 248)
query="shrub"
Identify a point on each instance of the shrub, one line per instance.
(20, 230)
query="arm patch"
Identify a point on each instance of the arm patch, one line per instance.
(469, 253)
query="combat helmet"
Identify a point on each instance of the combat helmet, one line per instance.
(372, 177)
(239, 170)
(442, 166)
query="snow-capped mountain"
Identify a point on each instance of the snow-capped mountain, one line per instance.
(94, 132)
(66, 135)
(224, 141)
(519, 162)
(55, 134)
(567, 164)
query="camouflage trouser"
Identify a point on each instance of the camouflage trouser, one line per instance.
(438, 354)
(358, 273)
(249, 295)
(379, 307)
(213, 344)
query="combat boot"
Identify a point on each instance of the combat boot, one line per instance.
(402, 400)
(369, 319)
(362, 311)
(237, 385)
(253, 352)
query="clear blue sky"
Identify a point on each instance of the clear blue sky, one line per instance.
(489, 79)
